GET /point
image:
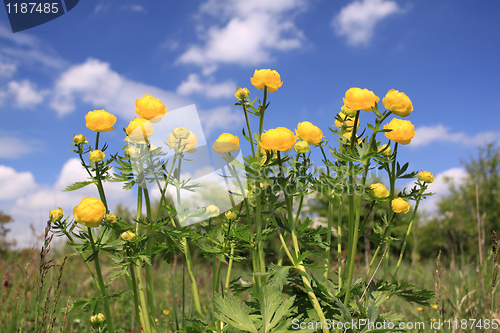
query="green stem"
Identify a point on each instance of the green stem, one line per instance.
(133, 282)
(392, 179)
(379, 247)
(248, 126)
(148, 268)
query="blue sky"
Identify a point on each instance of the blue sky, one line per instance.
(442, 54)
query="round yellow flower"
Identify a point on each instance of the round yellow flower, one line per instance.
(128, 236)
(385, 150)
(301, 147)
(213, 210)
(308, 132)
(398, 103)
(279, 138)
(111, 218)
(181, 133)
(56, 214)
(226, 143)
(96, 156)
(183, 144)
(360, 99)
(241, 93)
(425, 176)
(138, 130)
(100, 121)
(90, 212)
(400, 206)
(230, 215)
(150, 108)
(266, 78)
(79, 139)
(402, 131)
(98, 319)
(378, 191)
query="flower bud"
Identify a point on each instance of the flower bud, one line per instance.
(111, 218)
(213, 210)
(96, 156)
(378, 191)
(301, 147)
(241, 93)
(181, 133)
(385, 150)
(97, 319)
(79, 139)
(348, 111)
(400, 206)
(90, 212)
(132, 152)
(230, 215)
(128, 236)
(56, 214)
(425, 176)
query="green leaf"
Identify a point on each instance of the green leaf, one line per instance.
(233, 312)
(78, 185)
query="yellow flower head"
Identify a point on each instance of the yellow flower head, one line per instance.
(230, 215)
(378, 191)
(434, 306)
(402, 131)
(266, 78)
(186, 145)
(398, 103)
(360, 99)
(213, 210)
(226, 143)
(90, 212)
(400, 206)
(56, 214)
(79, 139)
(96, 156)
(279, 138)
(150, 108)
(349, 121)
(100, 121)
(138, 130)
(425, 176)
(308, 132)
(97, 320)
(111, 218)
(301, 147)
(241, 93)
(348, 111)
(420, 308)
(128, 236)
(385, 150)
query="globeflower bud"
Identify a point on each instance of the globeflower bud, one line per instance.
(100, 121)
(360, 99)
(398, 103)
(128, 236)
(348, 111)
(90, 212)
(111, 218)
(266, 78)
(226, 143)
(425, 176)
(378, 191)
(301, 147)
(400, 206)
(241, 93)
(150, 108)
(97, 319)
(213, 210)
(180, 133)
(186, 144)
(96, 156)
(230, 215)
(402, 131)
(385, 150)
(79, 139)
(56, 214)
(309, 132)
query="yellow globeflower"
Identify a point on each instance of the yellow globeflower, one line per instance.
(279, 138)
(266, 78)
(186, 145)
(398, 103)
(402, 131)
(79, 139)
(90, 212)
(97, 319)
(400, 206)
(349, 121)
(150, 108)
(360, 99)
(227, 143)
(213, 210)
(348, 111)
(128, 236)
(96, 156)
(138, 130)
(385, 150)
(230, 215)
(56, 214)
(378, 191)
(241, 93)
(425, 176)
(308, 132)
(111, 218)
(100, 121)
(301, 147)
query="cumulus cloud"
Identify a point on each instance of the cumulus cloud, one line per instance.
(357, 20)
(13, 147)
(425, 135)
(15, 184)
(95, 83)
(26, 94)
(194, 85)
(225, 118)
(244, 32)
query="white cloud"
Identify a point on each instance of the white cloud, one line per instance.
(244, 32)
(193, 85)
(95, 83)
(7, 67)
(357, 20)
(221, 118)
(25, 94)
(13, 147)
(134, 8)
(15, 184)
(425, 135)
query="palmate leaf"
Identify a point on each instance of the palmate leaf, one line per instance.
(78, 185)
(273, 309)
(232, 311)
